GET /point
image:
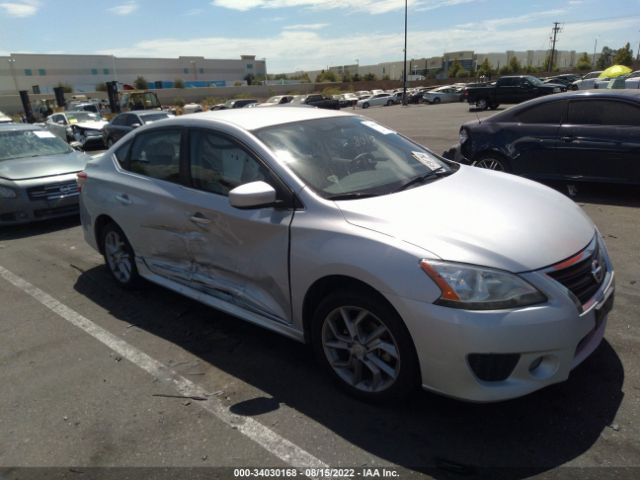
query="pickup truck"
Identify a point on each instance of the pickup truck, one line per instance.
(316, 100)
(513, 89)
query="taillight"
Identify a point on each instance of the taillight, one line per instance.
(81, 178)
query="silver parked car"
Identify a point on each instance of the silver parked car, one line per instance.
(81, 126)
(443, 95)
(399, 267)
(37, 175)
(375, 100)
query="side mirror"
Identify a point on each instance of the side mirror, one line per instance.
(252, 195)
(135, 125)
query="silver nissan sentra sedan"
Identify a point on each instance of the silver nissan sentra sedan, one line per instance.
(400, 268)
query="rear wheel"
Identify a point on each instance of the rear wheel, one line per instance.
(365, 105)
(389, 103)
(494, 106)
(119, 256)
(363, 344)
(492, 161)
(482, 104)
(436, 100)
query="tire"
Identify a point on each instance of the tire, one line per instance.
(374, 367)
(119, 257)
(436, 101)
(389, 103)
(494, 106)
(492, 161)
(482, 104)
(365, 105)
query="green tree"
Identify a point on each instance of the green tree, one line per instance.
(462, 74)
(584, 63)
(505, 70)
(623, 56)
(356, 77)
(328, 76)
(370, 77)
(178, 102)
(605, 59)
(547, 60)
(385, 77)
(485, 68)
(514, 65)
(454, 68)
(346, 77)
(178, 83)
(140, 83)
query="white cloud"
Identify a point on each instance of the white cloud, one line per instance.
(124, 9)
(306, 26)
(495, 23)
(292, 50)
(193, 12)
(24, 8)
(370, 6)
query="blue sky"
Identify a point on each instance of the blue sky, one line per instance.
(311, 34)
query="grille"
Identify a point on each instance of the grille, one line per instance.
(54, 191)
(579, 278)
(56, 212)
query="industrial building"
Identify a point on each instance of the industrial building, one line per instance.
(40, 73)
(468, 60)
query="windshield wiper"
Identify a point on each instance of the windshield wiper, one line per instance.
(438, 172)
(351, 196)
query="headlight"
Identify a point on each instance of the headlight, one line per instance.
(463, 136)
(7, 193)
(479, 288)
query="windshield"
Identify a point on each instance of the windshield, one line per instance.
(30, 143)
(535, 80)
(83, 117)
(154, 117)
(345, 156)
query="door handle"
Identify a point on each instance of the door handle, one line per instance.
(123, 199)
(199, 219)
(567, 139)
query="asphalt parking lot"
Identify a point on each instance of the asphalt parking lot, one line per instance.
(93, 376)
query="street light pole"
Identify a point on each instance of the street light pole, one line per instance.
(404, 71)
(13, 72)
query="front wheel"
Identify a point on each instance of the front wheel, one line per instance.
(494, 106)
(436, 101)
(491, 161)
(119, 256)
(364, 345)
(365, 105)
(389, 103)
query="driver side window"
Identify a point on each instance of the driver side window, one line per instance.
(219, 165)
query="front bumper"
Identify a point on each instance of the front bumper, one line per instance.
(459, 350)
(455, 153)
(40, 199)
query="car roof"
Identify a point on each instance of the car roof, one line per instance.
(593, 93)
(18, 127)
(256, 118)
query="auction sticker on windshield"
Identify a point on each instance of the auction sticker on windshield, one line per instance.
(44, 134)
(377, 127)
(426, 160)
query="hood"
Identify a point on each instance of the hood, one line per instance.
(480, 217)
(45, 166)
(92, 124)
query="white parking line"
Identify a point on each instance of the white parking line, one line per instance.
(254, 430)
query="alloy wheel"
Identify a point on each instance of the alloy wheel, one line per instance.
(360, 349)
(118, 257)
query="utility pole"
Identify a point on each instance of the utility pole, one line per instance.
(556, 30)
(404, 71)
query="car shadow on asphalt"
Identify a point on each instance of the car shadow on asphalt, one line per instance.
(16, 232)
(426, 433)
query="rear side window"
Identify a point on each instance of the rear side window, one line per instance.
(603, 112)
(119, 120)
(122, 153)
(219, 165)
(131, 119)
(548, 112)
(156, 154)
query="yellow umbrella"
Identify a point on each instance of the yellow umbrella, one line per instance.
(615, 71)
